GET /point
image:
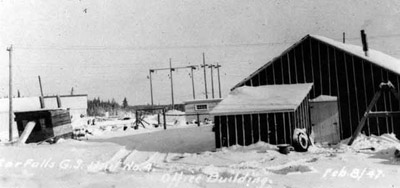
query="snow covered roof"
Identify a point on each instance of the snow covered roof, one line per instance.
(323, 98)
(196, 101)
(261, 99)
(376, 57)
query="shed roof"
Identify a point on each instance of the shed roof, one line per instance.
(263, 99)
(323, 98)
(197, 101)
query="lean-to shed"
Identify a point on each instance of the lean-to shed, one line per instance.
(264, 113)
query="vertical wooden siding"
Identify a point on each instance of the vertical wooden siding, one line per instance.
(335, 72)
(274, 128)
(246, 129)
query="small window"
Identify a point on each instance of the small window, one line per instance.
(201, 107)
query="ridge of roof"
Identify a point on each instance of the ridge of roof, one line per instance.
(376, 57)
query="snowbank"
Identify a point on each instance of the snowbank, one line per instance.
(257, 165)
(363, 142)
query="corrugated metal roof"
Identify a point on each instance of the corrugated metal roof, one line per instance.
(269, 98)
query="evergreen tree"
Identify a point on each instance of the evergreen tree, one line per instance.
(125, 103)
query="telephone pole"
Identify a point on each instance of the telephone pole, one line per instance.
(212, 80)
(205, 76)
(10, 94)
(40, 85)
(219, 81)
(191, 74)
(172, 82)
(170, 68)
(151, 86)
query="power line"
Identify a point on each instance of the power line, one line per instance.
(116, 48)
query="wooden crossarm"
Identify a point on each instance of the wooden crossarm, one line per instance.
(364, 118)
(384, 114)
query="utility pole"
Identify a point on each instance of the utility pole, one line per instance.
(219, 81)
(344, 37)
(170, 68)
(212, 80)
(10, 95)
(42, 104)
(205, 77)
(191, 73)
(172, 82)
(40, 85)
(151, 87)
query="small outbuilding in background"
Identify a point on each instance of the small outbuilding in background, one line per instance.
(265, 113)
(200, 107)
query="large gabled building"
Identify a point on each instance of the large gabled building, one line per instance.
(337, 69)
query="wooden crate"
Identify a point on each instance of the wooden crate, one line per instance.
(49, 123)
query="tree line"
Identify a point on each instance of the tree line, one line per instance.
(99, 107)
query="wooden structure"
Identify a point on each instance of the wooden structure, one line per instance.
(383, 88)
(264, 113)
(139, 116)
(340, 70)
(325, 119)
(200, 109)
(77, 105)
(50, 123)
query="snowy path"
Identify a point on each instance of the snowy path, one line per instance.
(182, 140)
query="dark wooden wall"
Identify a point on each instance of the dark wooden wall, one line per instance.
(274, 128)
(337, 73)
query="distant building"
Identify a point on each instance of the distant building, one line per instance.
(201, 107)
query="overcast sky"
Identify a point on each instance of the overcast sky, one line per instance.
(105, 48)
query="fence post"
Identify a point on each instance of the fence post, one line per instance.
(165, 120)
(137, 120)
(158, 118)
(198, 120)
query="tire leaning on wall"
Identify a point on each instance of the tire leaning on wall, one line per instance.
(300, 140)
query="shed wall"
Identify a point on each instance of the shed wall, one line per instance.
(273, 128)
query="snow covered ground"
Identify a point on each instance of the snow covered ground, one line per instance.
(105, 128)
(178, 158)
(191, 139)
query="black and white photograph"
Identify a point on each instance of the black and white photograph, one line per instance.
(199, 93)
